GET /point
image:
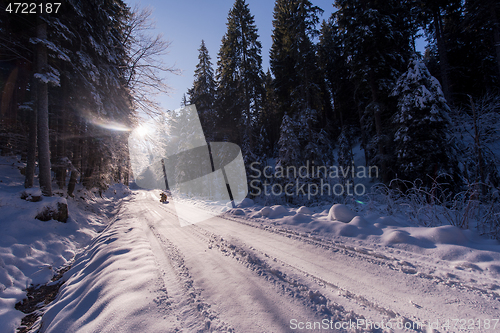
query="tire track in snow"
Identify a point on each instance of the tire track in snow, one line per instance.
(287, 285)
(236, 294)
(389, 261)
(313, 298)
(192, 312)
(412, 305)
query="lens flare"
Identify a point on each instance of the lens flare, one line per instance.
(112, 125)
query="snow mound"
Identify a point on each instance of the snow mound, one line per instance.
(495, 269)
(341, 213)
(396, 236)
(447, 234)
(304, 210)
(266, 211)
(298, 218)
(237, 211)
(347, 230)
(246, 203)
(274, 211)
(279, 210)
(359, 221)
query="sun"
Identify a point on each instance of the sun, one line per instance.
(141, 131)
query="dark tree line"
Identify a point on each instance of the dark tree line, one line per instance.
(355, 75)
(72, 83)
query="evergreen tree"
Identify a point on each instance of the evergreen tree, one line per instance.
(202, 94)
(293, 58)
(184, 101)
(434, 15)
(298, 82)
(422, 124)
(333, 64)
(377, 39)
(268, 119)
(473, 36)
(89, 101)
(239, 76)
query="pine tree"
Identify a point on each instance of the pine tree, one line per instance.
(239, 76)
(377, 38)
(292, 57)
(268, 119)
(184, 101)
(472, 32)
(298, 82)
(333, 64)
(422, 124)
(87, 93)
(202, 94)
(433, 15)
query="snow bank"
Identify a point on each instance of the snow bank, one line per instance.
(118, 271)
(32, 251)
(464, 249)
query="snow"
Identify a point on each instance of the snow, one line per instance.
(146, 272)
(445, 242)
(341, 213)
(32, 251)
(247, 202)
(304, 210)
(252, 268)
(110, 284)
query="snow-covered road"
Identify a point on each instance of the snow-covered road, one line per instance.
(229, 274)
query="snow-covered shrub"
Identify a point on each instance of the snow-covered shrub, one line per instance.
(477, 136)
(437, 206)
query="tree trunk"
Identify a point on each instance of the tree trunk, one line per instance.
(43, 114)
(126, 174)
(72, 182)
(378, 128)
(496, 33)
(31, 158)
(60, 139)
(443, 57)
(61, 149)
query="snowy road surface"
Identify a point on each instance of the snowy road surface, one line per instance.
(147, 273)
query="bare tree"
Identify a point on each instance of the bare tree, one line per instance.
(146, 70)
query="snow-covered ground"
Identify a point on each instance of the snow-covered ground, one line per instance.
(251, 269)
(278, 269)
(32, 251)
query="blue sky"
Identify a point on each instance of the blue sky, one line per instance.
(185, 23)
